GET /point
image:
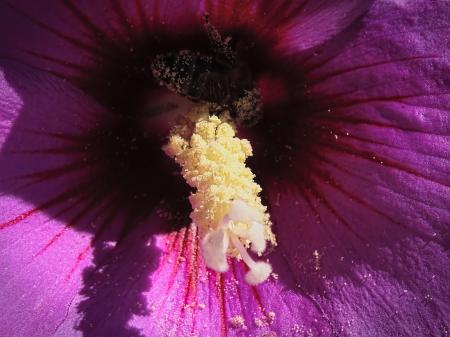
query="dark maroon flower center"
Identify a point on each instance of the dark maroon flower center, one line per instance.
(129, 167)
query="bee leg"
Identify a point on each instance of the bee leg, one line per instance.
(247, 109)
(220, 46)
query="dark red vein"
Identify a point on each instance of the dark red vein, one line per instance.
(74, 220)
(190, 278)
(81, 256)
(312, 188)
(358, 121)
(142, 15)
(73, 41)
(196, 279)
(47, 174)
(295, 12)
(395, 98)
(181, 241)
(366, 140)
(327, 177)
(65, 63)
(52, 241)
(97, 33)
(220, 292)
(19, 218)
(46, 205)
(371, 156)
(124, 21)
(49, 151)
(323, 77)
(173, 238)
(64, 136)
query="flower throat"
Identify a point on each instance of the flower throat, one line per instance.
(226, 205)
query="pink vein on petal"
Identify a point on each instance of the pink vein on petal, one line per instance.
(19, 218)
(52, 241)
(178, 251)
(83, 212)
(46, 205)
(190, 277)
(81, 256)
(220, 293)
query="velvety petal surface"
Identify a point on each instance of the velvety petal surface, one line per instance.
(70, 38)
(68, 275)
(43, 254)
(70, 264)
(364, 221)
(292, 26)
(186, 298)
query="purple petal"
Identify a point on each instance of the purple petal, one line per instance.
(42, 256)
(70, 38)
(315, 22)
(187, 298)
(363, 230)
(64, 250)
(365, 222)
(292, 27)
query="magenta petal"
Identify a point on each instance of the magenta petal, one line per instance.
(187, 298)
(73, 38)
(41, 160)
(366, 227)
(42, 257)
(62, 262)
(113, 293)
(292, 27)
(362, 222)
(318, 21)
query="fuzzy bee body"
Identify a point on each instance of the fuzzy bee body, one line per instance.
(200, 77)
(218, 80)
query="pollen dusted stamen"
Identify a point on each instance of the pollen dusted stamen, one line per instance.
(226, 205)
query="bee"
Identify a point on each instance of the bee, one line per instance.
(220, 80)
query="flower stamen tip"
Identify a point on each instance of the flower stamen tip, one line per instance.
(259, 272)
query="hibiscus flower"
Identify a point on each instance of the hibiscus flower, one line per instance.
(352, 152)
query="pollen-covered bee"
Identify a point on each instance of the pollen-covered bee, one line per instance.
(220, 80)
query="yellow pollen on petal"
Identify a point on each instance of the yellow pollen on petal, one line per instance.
(226, 203)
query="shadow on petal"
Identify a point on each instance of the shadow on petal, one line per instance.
(62, 156)
(113, 289)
